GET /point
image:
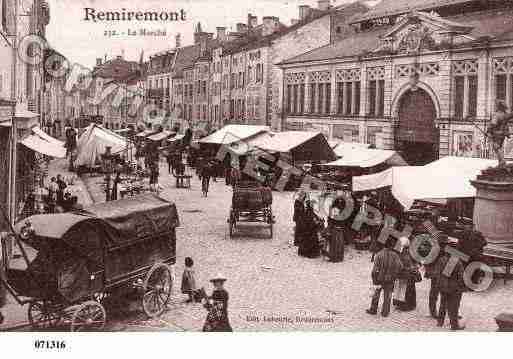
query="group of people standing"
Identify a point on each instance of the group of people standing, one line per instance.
(395, 274)
(308, 224)
(56, 193)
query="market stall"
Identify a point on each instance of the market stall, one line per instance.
(92, 144)
(299, 146)
(448, 177)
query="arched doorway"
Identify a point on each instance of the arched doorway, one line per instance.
(416, 135)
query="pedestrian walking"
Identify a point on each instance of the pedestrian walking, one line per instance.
(386, 269)
(188, 280)
(405, 294)
(53, 188)
(115, 185)
(170, 160)
(298, 216)
(205, 174)
(217, 307)
(451, 286)
(60, 191)
(429, 273)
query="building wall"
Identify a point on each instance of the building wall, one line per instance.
(305, 38)
(5, 69)
(437, 79)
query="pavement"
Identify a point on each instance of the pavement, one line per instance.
(273, 289)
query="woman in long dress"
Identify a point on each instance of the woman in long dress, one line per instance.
(405, 294)
(298, 217)
(217, 307)
(309, 244)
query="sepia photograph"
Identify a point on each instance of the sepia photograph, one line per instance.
(255, 166)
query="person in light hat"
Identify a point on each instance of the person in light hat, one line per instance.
(217, 307)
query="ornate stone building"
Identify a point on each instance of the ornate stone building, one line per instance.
(419, 76)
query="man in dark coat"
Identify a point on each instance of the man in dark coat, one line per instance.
(387, 267)
(434, 290)
(60, 192)
(451, 289)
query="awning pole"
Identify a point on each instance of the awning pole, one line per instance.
(14, 131)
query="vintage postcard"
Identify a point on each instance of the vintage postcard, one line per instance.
(256, 166)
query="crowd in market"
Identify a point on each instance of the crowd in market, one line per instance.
(395, 272)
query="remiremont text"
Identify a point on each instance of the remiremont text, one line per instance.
(127, 15)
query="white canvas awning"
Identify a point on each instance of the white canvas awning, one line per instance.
(24, 113)
(159, 136)
(47, 137)
(449, 177)
(93, 142)
(233, 133)
(341, 148)
(43, 143)
(365, 158)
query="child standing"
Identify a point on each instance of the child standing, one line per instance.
(188, 280)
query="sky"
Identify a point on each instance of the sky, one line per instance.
(83, 41)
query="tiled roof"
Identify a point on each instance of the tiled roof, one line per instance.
(186, 57)
(397, 7)
(496, 24)
(117, 69)
(350, 46)
(251, 42)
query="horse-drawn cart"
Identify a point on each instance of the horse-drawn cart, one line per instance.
(251, 202)
(74, 261)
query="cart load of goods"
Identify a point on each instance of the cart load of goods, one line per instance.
(251, 196)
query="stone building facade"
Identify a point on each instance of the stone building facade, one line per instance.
(243, 83)
(21, 90)
(417, 76)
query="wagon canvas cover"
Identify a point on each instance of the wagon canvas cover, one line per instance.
(135, 218)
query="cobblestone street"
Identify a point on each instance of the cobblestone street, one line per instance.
(266, 278)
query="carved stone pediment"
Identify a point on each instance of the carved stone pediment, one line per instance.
(418, 31)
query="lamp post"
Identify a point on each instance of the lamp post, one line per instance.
(107, 170)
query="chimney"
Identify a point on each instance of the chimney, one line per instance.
(324, 5)
(304, 12)
(203, 45)
(252, 21)
(294, 21)
(221, 33)
(178, 40)
(98, 61)
(241, 27)
(270, 25)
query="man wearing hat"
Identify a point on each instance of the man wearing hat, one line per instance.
(451, 287)
(217, 306)
(498, 130)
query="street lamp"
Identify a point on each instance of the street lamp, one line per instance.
(107, 170)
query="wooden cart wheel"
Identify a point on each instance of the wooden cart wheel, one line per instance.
(157, 290)
(88, 317)
(41, 316)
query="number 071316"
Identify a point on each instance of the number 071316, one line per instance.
(50, 344)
